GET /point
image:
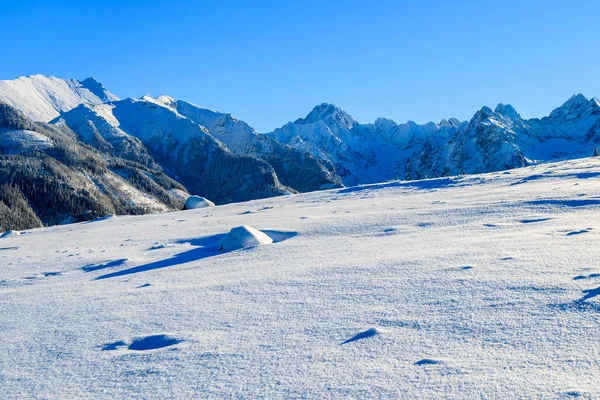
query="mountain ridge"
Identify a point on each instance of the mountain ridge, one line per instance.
(216, 155)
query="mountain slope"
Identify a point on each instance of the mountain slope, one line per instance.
(183, 148)
(42, 98)
(47, 177)
(294, 168)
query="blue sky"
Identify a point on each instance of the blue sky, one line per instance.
(269, 62)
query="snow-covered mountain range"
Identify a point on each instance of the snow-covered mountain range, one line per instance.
(490, 141)
(215, 155)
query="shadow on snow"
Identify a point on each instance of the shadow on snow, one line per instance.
(207, 247)
(424, 184)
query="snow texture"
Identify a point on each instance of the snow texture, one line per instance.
(483, 286)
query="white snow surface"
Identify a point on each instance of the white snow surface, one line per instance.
(482, 286)
(42, 98)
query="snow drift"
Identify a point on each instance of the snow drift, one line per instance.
(243, 236)
(194, 202)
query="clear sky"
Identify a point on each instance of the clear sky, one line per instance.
(269, 62)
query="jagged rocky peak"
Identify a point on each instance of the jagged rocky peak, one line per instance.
(576, 107)
(508, 111)
(98, 89)
(385, 124)
(577, 100)
(449, 123)
(482, 114)
(328, 113)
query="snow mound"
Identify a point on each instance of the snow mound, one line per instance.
(194, 202)
(243, 236)
(10, 234)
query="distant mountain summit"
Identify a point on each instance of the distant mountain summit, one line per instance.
(43, 98)
(492, 140)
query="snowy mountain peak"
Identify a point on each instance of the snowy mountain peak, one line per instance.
(449, 123)
(163, 100)
(329, 113)
(576, 107)
(482, 114)
(576, 99)
(43, 98)
(507, 111)
(98, 89)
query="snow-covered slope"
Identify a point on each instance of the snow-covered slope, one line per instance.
(22, 141)
(483, 286)
(42, 98)
(182, 147)
(492, 140)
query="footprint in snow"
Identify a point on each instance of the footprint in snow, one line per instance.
(534, 220)
(586, 230)
(424, 224)
(428, 361)
(104, 265)
(157, 246)
(576, 393)
(590, 276)
(144, 343)
(9, 248)
(153, 342)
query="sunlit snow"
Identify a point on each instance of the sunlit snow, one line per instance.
(483, 286)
